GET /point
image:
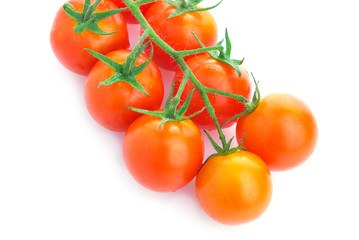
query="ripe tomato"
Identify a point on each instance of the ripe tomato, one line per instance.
(214, 74)
(106, 103)
(177, 31)
(68, 45)
(234, 189)
(128, 15)
(282, 131)
(163, 159)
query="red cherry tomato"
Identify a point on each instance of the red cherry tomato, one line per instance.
(234, 189)
(282, 131)
(69, 46)
(163, 159)
(128, 15)
(177, 31)
(214, 74)
(106, 103)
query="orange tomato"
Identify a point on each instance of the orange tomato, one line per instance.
(234, 189)
(282, 131)
(163, 159)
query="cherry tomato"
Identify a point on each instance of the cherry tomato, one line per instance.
(177, 31)
(215, 74)
(106, 103)
(282, 131)
(68, 45)
(163, 159)
(235, 188)
(128, 15)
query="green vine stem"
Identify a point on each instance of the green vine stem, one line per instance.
(178, 57)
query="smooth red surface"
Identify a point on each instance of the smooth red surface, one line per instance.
(163, 159)
(282, 131)
(214, 74)
(106, 103)
(68, 46)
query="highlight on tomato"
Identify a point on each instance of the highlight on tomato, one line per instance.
(282, 131)
(163, 157)
(99, 26)
(128, 15)
(218, 75)
(175, 24)
(110, 88)
(235, 188)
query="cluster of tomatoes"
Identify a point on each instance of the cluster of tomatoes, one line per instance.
(232, 187)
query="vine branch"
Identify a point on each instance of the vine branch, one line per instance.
(178, 57)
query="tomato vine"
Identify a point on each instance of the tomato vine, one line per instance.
(203, 90)
(87, 19)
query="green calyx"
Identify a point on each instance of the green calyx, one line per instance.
(226, 149)
(127, 71)
(185, 6)
(224, 54)
(171, 112)
(87, 19)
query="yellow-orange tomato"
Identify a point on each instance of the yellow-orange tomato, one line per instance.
(234, 189)
(163, 159)
(282, 131)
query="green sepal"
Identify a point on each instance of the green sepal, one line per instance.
(119, 73)
(147, 112)
(71, 11)
(170, 112)
(138, 69)
(169, 101)
(214, 144)
(183, 6)
(227, 149)
(87, 19)
(244, 113)
(182, 110)
(117, 67)
(224, 55)
(191, 116)
(176, 100)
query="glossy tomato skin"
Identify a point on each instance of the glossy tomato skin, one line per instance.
(68, 46)
(128, 15)
(163, 159)
(106, 103)
(282, 131)
(177, 31)
(214, 74)
(234, 189)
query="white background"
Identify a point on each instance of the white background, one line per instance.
(62, 175)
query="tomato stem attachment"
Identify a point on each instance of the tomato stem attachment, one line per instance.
(171, 112)
(87, 19)
(223, 54)
(127, 71)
